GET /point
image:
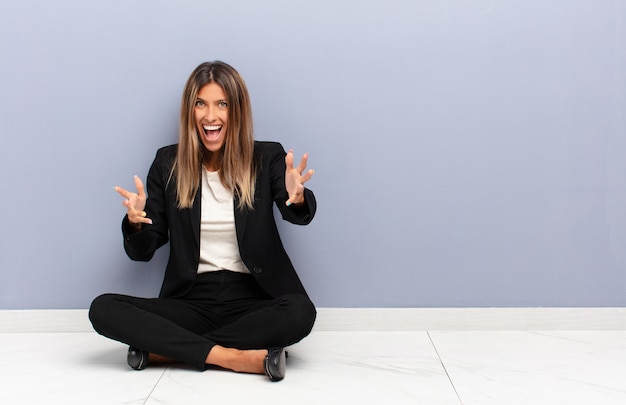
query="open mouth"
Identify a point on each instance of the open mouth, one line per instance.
(212, 132)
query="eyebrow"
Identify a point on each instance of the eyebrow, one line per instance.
(206, 102)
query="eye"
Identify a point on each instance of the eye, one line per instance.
(222, 104)
(199, 103)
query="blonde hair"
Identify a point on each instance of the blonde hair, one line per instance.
(235, 159)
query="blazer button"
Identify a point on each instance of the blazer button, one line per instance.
(257, 270)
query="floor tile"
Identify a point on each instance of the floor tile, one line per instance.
(572, 367)
(69, 368)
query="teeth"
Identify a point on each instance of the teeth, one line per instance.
(212, 127)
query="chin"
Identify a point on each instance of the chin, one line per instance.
(213, 147)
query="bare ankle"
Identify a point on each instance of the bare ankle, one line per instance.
(241, 361)
(158, 359)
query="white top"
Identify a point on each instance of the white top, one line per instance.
(219, 249)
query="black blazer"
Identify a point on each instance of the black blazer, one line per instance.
(259, 242)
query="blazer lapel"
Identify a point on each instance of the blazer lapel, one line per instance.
(240, 221)
(195, 216)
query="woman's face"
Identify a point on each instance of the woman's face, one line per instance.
(211, 116)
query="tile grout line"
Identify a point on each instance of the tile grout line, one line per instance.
(155, 385)
(444, 367)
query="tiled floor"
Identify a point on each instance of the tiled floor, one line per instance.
(504, 368)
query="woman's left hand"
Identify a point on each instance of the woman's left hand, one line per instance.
(294, 180)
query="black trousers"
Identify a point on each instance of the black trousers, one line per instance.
(223, 307)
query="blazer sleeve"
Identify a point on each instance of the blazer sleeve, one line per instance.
(142, 245)
(299, 215)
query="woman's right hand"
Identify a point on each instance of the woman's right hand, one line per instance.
(135, 204)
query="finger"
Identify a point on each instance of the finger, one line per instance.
(140, 188)
(140, 220)
(123, 192)
(303, 161)
(289, 159)
(144, 220)
(308, 176)
(135, 216)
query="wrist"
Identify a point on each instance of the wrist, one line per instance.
(134, 227)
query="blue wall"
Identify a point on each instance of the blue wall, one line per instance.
(467, 153)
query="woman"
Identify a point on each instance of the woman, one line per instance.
(230, 296)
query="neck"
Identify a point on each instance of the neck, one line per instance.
(210, 161)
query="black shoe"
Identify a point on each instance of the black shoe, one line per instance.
(275, 363)
(137, 359)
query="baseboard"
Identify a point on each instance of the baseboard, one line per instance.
(459, 319)
(373, 319)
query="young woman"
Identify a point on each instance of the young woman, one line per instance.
(230, 296)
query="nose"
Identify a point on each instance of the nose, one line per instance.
(210, 113)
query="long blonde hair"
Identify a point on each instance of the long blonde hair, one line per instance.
(236, 158)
